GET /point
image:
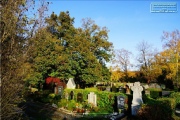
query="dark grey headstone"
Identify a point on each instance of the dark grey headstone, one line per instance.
(122, 90)
(120, 103)
(114, 89)
(60, 90)
(79, 97)
(71, 95)
(108, 89)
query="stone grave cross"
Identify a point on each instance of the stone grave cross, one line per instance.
(137, 97)
(137, 93)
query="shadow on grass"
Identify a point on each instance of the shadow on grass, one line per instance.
(156, 109)
(35, 109)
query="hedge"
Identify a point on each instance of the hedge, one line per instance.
(160, 108)
(155, 92)
(105, 99)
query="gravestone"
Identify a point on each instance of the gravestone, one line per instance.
(108, 89)
(92, 98)
(120, 104)
(122, 90)
(129, 84)
(114, 89)
(60, 90)
(137, 97)
(79, 97)
(147, 92)
(163, 86)
(71, 95)
(154, 85)
(146, 86)
(71, 84)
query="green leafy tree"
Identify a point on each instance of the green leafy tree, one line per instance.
(65, 51)
(44, 56)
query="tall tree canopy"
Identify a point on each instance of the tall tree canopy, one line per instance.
(165, 65)
(65, 51)
(145, 58)
(172, 48)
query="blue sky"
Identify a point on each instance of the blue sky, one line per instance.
(129, 22)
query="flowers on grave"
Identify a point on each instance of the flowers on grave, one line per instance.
(79, 108)
(76, 105)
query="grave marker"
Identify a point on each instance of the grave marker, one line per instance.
(108, 89)
(60, 90)
(71, 84)
(137, 97)
(122, 90)
(71, 95)
(92, 98)
(121, 103)
(79, 97)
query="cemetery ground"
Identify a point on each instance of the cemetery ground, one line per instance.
(101, 103)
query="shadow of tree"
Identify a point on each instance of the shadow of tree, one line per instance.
(34, 109)
(38, 111)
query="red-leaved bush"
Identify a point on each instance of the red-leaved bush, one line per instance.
(52, 79)
(55, 80)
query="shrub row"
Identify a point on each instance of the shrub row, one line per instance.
(105, 100)
(155, 93)
(160, 108)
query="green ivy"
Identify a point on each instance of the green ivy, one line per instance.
(176, 96)
(105, 100)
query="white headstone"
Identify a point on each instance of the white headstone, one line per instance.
(92, 98)
(71, 84)
(130, 84)
(146, 86)
(137, 97)
(137, 94)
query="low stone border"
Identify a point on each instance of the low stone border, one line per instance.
(71, 113)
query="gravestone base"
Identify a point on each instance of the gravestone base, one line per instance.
(116, 116)
(121, 111)
(134, 109)
(177, 112)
